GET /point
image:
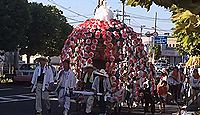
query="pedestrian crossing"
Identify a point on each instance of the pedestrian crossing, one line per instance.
(22, 97)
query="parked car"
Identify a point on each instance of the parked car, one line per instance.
(24, 73)
(160, 66)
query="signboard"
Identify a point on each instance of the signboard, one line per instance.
(160, 40)
(171, 52)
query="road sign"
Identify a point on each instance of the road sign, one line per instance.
(161, 40)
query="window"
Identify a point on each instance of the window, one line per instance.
(169, 45)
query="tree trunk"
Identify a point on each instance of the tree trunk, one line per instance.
(28, 58)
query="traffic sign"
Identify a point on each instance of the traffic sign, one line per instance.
(160, 40)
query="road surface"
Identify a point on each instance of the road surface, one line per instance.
(17, 100)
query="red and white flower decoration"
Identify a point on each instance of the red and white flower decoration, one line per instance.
(87, 48)
(93, 47)
(88, 41)
(95, 41)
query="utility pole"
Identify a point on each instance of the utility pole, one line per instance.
(153, 38)
(117, 15)
(123, 9)
(141, 28)
(155, 25)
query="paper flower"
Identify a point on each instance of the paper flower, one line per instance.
(95, 41)
(131, 61)
(89, 61)
(131, 75)
(79, 57)
(116, 34)
(88, 41)
(109, 33)
(87, 48)
(83, 61)
(97, 34)
(110, 45)
(82, 43)
(112, 58)
(91, 54)
(105, 43)
(89, 35)
(86, 55)
(93, 47)
(92, 30)
(124, 35)
(113, 78)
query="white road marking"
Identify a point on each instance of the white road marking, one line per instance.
(3, 98)
(4, 89)
(22, 97)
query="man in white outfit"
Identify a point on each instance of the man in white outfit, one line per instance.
(102, 85)
(66, 83)
(88, 79)
(41, 81)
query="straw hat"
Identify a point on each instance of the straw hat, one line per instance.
(102, 72)
(41, 59)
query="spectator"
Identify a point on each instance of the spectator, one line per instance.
(173, 81)
(181, 79)
(186, 89)
(162, 90)
(195, 83)
(149, 99)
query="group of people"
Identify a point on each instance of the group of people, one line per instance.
(96, 82)
(96, 87)
(180, 85)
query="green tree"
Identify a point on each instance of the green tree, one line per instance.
(192, 5)
(14, 20)
(47, 31)
(187, 30)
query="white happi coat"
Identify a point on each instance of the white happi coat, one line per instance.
(195, 82)
(66, 80)
(106, 84)
(48, 77)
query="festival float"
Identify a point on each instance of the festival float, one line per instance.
(110, 44)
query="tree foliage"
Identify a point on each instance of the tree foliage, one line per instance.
(187, 30)
(14, 20)
(191, 5)
(47, 31)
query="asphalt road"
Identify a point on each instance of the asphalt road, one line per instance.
(17, 100)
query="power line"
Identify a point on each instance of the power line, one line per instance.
(146, 17)
(78, 16)
(52, 1)
(76, 22)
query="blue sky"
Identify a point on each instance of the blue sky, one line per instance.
(138, 16)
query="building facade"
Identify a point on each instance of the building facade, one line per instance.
(168, 51)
